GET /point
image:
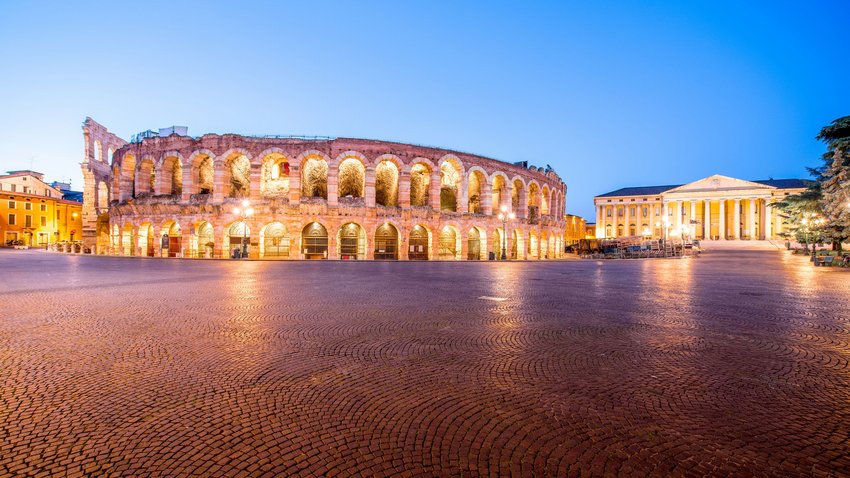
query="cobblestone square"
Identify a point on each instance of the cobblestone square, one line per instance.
(732, 363)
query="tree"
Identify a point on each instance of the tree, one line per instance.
(834, 181)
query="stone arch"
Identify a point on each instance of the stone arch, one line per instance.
(544, 200)
(109, 154)
(450, 183)
(351, 176)
(533, 200)
(499, 190)
(419, 243)
(543, 245)
(127, 236)
(128, 177)
(476, 244)
(203, 240)
(274, 240)
(98, 151)
(146, 177)
(171, 238)
(274, 172)
(314, 241)
(517, 193)
(314, 176)
(202, 164)
(351, 241)
(170, 175)
(235, 234)
(102, 195)
(387, 240)
(420, 181)
(476, 183)
(146, 240)
(387, 173)
(237, 173)
(449, 245)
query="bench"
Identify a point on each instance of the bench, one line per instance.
(824, 260)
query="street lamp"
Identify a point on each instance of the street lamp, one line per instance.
(504, 216)
(244, 214)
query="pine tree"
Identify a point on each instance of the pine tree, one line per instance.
(834, 181)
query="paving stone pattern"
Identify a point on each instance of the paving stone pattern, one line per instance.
(733, 363)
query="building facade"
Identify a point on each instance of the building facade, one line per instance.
(574, 229)
(34, 213)
(312, 198)
(714, 208)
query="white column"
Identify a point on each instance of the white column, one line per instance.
(665, 219)
(752, 219)
(721, 229)
(600, 221)
(706, 225)
(692, 228)
(736, 216)
(678, 212)
(627, 219)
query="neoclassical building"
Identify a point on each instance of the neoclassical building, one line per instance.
(173, 195)
(716, 208)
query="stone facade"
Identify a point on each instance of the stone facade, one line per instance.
(334, 198)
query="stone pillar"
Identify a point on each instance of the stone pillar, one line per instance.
(464, 249)
(523, 204)
(333, 247)
(665, 219)
(295, 186)
(404, 190)
(369, 190)
(722, 222)
(706, 219)
(751, 220)
(487, 199)
(434, 190)
(404, 244)
(680, 210)
(463, 196)
(188, 184)
(333, 185)
(218, 183)
(255, 178)
(736, 218)
(767, 219)
(600, 221)
(692, 228)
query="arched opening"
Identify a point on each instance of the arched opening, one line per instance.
(475, 183)
(274, 241)
(128, 177)
(172, 240)
(420, 244)
(275, 175)
(352, 242)
(497, 195)
(533, 202)
(203, 174)
(449, 186)
(386, 184)
(127, 248)
(238, 171)
(102, 195)
(544, 201)
(386, 242)
(632, 230)
(544, 245)
(98, 151)
(109, 154)
(448, 247)
(146, 240)
(496, 245)
(146, 178)
(352, 178)
(552, 251)
(517, 246)
(533, 246)
(475, 247)
(516, 193)
(607, 230)
(314, 178)
(314, 241)
(206, 240)
(619, 230)
(238, 237)
(172, 176)
(420, 180)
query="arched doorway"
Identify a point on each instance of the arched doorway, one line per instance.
(448, 249)
(419, 244)
(274, 241)
(386, 242)
(172, 240)
(206, 240)
(314, 241)
(474, 248)
(533, 251)
(238, 232)
(516, 247)
(146, 240)
(352, 242)
(496, 245)
(127, 248)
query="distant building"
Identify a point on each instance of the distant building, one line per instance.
(574, 229)
(590, 230)
(35, 213)
(717, 207)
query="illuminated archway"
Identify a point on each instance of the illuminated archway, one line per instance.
(386, 242)
(352, 241)
(314, 178)
(420, 180)
(386, 184)
(449, 186)
(314, 241)
(419, 244)
(352, 178)
(274, 241)
(449, 248)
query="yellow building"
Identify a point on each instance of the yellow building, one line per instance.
(35, 213)
(717, 207)
(574, 229)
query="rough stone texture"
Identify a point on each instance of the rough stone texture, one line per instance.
(735, 363)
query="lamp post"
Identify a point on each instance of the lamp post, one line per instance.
(504, 215)
(244, 214)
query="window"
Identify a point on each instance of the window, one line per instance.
(28, 206)
(58, 214)
(11, 204)
(14, 188)
(43, 207)
(43, 221)
(28, 221)
(26, 189)
(11, 219)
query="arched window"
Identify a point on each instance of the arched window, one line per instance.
(420, 179)
(386, 184)
(352, 178)
(314, 241)
(314, 178)
(386, 242)
(449, 186)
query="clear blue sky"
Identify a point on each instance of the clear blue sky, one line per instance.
(611, 94)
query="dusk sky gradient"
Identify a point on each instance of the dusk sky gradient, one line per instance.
(611, 94)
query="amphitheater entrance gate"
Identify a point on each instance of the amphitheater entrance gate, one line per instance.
(386, 242)
(275, 241)
(418, 250)
(448, 244)
(473, 245)
(314, 241)
(351, 243)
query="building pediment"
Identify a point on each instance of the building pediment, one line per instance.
(718, 183)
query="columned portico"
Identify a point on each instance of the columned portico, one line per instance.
(736, 218)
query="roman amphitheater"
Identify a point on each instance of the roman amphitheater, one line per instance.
(172, 195)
